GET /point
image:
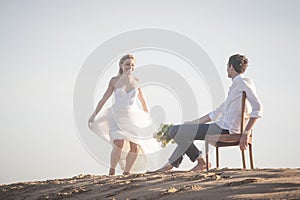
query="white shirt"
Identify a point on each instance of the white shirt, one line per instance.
(228, 114)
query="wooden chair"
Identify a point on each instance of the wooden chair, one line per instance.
(225, 140)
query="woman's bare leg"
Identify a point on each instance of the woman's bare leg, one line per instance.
(115, 155)
(131, 157)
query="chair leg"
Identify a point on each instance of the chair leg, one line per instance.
(217, 157)
(206, 153)
(251, 156)
(243, 157)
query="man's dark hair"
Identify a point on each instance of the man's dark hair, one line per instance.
(239, 63)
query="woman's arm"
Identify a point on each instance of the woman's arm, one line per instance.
(105, 97)
(143, 101)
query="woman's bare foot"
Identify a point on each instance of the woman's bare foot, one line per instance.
(126, 173)
(201, 165)
(111, 171)
(166, 167)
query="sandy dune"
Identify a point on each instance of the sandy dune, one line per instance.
(215, 184)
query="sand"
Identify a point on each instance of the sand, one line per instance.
(215, 184)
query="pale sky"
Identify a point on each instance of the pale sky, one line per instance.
(44, 45)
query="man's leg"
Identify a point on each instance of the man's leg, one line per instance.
(184, 135)
(177, 155)
(213, 129)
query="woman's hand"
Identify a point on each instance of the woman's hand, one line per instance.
(105, 97)
(91, 119)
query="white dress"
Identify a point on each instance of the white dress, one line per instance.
(126, 121)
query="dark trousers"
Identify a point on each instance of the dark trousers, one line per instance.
(185, 134)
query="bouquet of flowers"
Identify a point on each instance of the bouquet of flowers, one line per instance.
(163, 135)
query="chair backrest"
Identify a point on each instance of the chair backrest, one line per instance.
(243, 111)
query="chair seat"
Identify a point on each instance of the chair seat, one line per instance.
(225, 140)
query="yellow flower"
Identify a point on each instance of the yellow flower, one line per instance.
(163, 135)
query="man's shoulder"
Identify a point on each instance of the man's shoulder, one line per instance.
(244, 80)
(247, 80)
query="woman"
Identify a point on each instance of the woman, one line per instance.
(124, 124)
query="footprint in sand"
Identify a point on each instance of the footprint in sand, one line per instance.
(245, 181)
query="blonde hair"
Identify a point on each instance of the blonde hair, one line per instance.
(128, 56)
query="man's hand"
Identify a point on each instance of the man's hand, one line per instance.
(244, 141)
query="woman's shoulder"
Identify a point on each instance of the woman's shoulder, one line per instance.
(114, 80)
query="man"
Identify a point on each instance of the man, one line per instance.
(225, 119)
